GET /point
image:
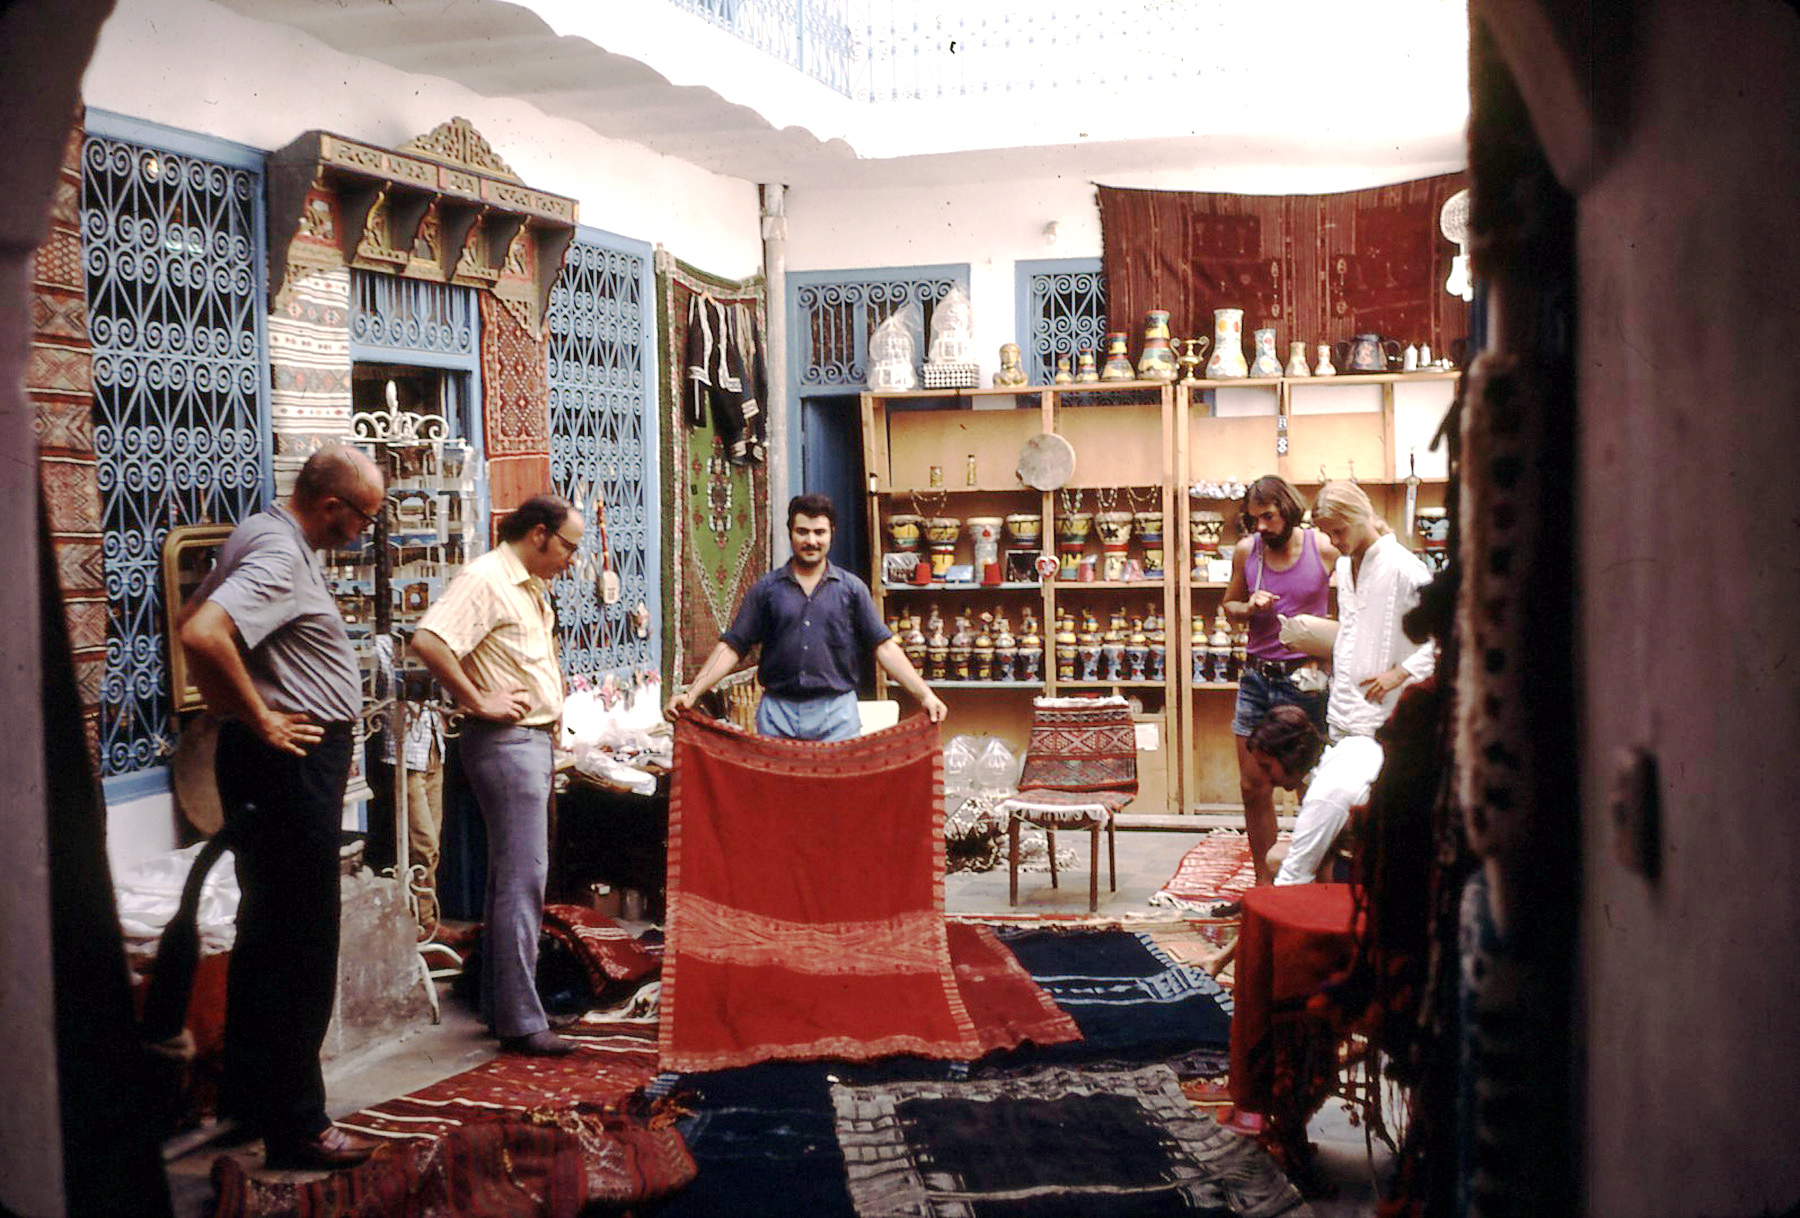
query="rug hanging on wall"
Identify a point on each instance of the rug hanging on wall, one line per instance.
(60, 382)
(806, 901)
(515, 385)
(1058, 1141)
(1316, 268)
(717, 510)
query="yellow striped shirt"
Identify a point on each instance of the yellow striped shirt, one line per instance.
(496, 617)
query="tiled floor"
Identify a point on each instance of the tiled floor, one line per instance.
(1145, 860)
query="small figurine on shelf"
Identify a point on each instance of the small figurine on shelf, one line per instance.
(982, 666)
(1085, 369)
(1031, 648)
(1112, 648)
(1158, 642)
(1324, 366)
(912, 642)
(937, 648)
(1064, 375)
(962, 645)
(1006, 649)
(1012, 367)
(1087, 645)
(1219, 645)
(1137, 650)
(1067, 646)
(1197, 649)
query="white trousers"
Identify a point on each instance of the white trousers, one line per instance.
(1340, 782)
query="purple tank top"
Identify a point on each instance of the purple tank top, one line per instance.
(1302, 589)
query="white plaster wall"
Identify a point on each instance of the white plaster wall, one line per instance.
(193, 65)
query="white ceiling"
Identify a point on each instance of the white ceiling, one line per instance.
(1292, 96)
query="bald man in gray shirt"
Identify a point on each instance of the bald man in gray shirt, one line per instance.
(269, 651)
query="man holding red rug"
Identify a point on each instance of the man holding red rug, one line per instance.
(814, 621)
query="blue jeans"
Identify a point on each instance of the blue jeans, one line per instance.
(833, 717)
(509, 769)
(1258, 694)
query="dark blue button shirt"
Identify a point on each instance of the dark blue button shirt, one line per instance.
(811, 646)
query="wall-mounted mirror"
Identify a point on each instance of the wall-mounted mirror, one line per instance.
(189, 552)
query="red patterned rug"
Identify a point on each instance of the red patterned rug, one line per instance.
(514, 1136)
(806, 901)
(1216, 869)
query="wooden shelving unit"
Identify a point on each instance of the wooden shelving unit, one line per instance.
(1139, 444)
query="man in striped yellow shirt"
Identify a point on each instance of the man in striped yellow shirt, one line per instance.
(490, 641)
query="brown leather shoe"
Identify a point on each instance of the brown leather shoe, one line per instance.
(538, 1044)
(331, 1150)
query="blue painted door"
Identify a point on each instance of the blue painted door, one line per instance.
(831, 463)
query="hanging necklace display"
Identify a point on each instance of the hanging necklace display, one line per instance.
(1147, 523)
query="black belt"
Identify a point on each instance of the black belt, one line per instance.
(1274, 668)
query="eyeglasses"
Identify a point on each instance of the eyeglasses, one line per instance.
(367, 519)
(572, 546)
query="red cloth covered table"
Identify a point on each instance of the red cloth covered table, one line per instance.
(1294, 939)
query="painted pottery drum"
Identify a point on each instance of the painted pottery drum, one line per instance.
(1115, 535)
(1153, 561)
(984, 536)
(1026, 529)
(906, 533)
(1071, 539)
(943, 557)
(1208, 526)
(1148, 526)
(942, 530)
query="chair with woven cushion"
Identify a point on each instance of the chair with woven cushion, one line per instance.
(1080, 770)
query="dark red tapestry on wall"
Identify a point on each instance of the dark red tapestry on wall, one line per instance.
(1316, 268)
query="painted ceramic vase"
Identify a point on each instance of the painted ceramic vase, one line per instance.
(1324, 367)
(1296, 365)
(1085, 370)
(1157, 363)
(1064, 375)
(1265, 364)
(1118, 361)
(1227, 362)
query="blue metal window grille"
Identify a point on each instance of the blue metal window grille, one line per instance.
(172, 246)
(401, 320)
(1062, 308)
(834, 313)
(603, 445)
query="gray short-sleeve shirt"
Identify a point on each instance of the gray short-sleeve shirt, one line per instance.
(272, 585)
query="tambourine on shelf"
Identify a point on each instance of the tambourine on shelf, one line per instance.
(1046, 462)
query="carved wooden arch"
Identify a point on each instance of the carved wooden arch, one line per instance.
(443, 207)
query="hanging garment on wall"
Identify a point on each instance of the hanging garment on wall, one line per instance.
(725, 376)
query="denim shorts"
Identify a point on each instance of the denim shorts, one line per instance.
(1258, 693)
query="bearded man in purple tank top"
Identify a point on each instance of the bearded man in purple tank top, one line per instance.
(1278, 570)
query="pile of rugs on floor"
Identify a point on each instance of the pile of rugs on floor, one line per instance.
(811, 1035)
(1098, 1057)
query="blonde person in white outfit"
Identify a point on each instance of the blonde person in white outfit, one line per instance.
(1378, 580)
